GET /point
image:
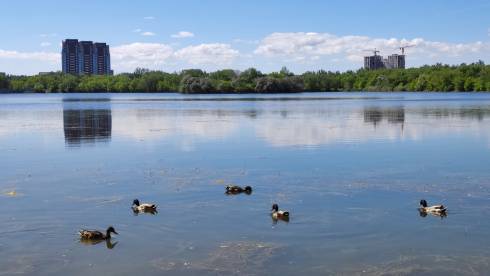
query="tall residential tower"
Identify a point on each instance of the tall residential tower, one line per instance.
(69, 57)
(85, 58)
(102, 59)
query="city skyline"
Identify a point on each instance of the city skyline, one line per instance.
(171, 36)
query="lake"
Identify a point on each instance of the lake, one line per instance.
(350, 167)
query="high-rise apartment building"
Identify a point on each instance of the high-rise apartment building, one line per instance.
(69, 57)
(102, 59)
(85, 58)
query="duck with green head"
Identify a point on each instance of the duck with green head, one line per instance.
(437, 210)
(143, 207)
(279, 214)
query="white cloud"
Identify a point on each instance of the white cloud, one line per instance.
(38, 56)
(143, 33)
(303, 46)
(244, 41)
(148, 55)
(149, 18)
(214, 53)
(45, 44)
(182, 34)
(155, 55)
(148, 34)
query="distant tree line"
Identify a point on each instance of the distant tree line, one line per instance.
(439, 77)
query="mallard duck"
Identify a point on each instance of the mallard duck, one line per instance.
(278, 214)
(233, 189)
(144, 207)
(97, 235)
(435, 209)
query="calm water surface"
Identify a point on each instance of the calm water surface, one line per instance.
(351, 168)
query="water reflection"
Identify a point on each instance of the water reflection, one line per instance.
(475, 112)
(373, 123)
(424, 214)
(87, 125)
(136, 212)
(276, 220)
(375, 115)
(108, 243)
(296, 126)
(90, 120)
(192, 124)
(287, 125)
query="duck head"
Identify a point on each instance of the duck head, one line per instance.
(111, 230)
(423, 203)
(275, 207)
(136, 202)
(248, 189)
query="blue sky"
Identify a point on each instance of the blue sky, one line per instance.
(213, 34)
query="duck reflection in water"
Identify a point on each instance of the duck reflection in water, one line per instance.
(423, 214)
(275, 220)
(108, 243)
(149, 211)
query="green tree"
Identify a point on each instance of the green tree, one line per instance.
(223, 75)
(195, 85)
(469, 84)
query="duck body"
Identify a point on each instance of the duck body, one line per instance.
(143, 207)
(95, 235)
(436, 209)
(233, 189)
(279, 214)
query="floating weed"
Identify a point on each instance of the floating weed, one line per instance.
(219, 181)
(11, 193)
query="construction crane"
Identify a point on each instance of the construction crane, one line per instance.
(375, 51)
(402, 48)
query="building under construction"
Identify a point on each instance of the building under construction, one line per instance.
(393, 61)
